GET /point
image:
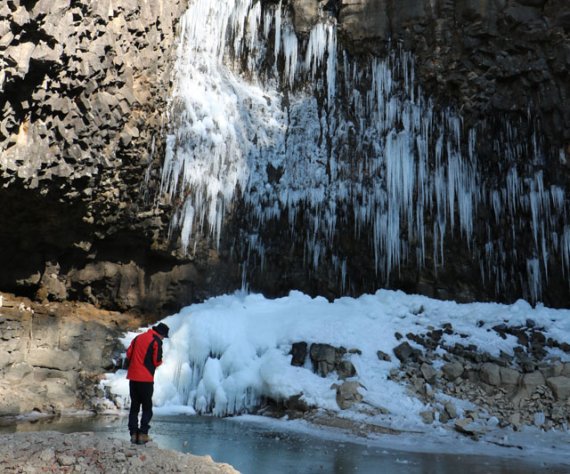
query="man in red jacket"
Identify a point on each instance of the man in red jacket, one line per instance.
(144, 355)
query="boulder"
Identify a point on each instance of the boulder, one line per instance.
(383, 356)
(532, 380)
(347, 394)
(299, 353)
(508, 376)
(345, 369)
(453, 370)
(405, 353)
(490, 374)
(428, 372)
(515, 421)
(468, 427)
(554, 369)
(324, 358)
(427, 416)
(560, 386)
(450, 409)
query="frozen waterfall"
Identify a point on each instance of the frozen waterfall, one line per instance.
(289, 124)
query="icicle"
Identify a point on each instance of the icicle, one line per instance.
(277, 45)
(331, 64)
(565, 250)
(253, 22)
(534, 279)
(291, 51)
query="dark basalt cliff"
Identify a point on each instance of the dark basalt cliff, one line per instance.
(489, 58)
(84, 87)
(84, 90)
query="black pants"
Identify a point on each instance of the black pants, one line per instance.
(141, 396)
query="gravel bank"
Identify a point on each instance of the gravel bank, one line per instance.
(89, 452)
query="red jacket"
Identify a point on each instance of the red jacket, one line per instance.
(144, 356)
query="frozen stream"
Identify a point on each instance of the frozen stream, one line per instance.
(255, 447)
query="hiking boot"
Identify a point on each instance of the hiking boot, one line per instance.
(134, 438)
(143, 438)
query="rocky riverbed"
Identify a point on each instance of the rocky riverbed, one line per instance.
(94, 453)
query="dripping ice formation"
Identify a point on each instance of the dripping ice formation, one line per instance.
(289, 123)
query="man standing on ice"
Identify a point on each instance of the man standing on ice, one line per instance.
(144, 355)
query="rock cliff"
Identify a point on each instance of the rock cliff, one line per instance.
(55, 354)
(84, 92)
(489, 58)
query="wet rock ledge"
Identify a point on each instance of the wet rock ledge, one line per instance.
(90, 453)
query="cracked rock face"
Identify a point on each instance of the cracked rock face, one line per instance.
(84, 87)
(489, 47)
(55, 354)
(486, 56)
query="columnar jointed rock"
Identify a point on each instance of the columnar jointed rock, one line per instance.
(453, 42)
(79, 79)
(83, 88)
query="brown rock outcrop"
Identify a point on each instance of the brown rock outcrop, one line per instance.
(55, 354)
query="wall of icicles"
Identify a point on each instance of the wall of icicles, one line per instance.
(337, 147)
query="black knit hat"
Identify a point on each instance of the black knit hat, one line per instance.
(161, 329)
